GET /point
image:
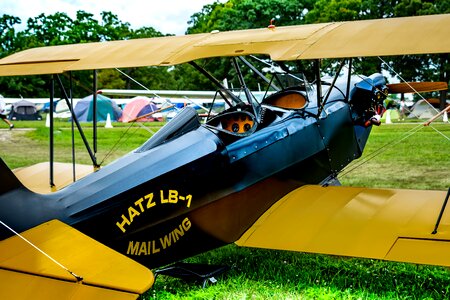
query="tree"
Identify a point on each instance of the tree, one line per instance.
(59, 28)
(377, 9)
(10, 42)
(84, 28)
(423, 67)
(247, 14)
(150, 77)
(243, 14)
(346, 10)
(7, 34)
(334, 11)
(49, 30)
(112, 28)
(410, 67)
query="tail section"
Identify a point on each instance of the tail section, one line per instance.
(8, 180)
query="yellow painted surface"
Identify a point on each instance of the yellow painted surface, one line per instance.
(16, 285)
(394, 36)
(98, 265)
(37, 177)
(430, 252)
(360, 222)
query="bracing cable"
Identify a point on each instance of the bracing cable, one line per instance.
(77, 277)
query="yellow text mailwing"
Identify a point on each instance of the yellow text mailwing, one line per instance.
(385, 224)
(105, 272)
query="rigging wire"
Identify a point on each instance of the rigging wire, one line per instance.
(380, 150)
(135, 81)
(271, 65)
(385, 147)
(115, 146)
(446, 137)
(407, 83)
(143, 86)
(77, 277)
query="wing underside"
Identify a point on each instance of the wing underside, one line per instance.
(26, 273)
(393, 36)
(386, 224)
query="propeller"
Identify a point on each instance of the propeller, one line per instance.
(416, 87)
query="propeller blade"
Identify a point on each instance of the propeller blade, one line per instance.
(416, 87)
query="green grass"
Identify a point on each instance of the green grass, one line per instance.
(412, 156)
(112, 143)
(268, 274)
(419, 161)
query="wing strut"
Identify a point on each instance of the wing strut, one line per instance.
(94, 107)
(218, 84)
(347, 94)
(257, 72)
(318, 83)
(331, 87)
(441, 213)
(74, 117)
(242, 81)
(52, 96)
(248, 94)
(74, 178)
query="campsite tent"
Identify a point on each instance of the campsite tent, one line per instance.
(390, 114)
(423, 110)
(62, 109)
(24, 110)
(139, 106)
(84, 109)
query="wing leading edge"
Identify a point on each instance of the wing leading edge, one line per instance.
(388, 224)
(393, 36)
(25, 273)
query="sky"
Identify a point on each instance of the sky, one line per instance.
(166, 16)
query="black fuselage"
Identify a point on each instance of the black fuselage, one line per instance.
(197, 190)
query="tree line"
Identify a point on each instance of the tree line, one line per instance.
(59, 29)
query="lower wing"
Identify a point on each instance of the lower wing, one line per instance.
(389, 224)
(74, 266)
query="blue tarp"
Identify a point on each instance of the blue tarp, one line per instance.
(84, 109)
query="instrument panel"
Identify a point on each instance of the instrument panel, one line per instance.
(237, 123)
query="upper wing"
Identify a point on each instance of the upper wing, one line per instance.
(373, 223)
(394, 36)
(162, 93)
(26, 273)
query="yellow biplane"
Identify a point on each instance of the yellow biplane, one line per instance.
(258, 166)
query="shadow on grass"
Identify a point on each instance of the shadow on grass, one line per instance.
(263, 274)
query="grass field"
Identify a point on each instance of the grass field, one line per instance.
(411, 157)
